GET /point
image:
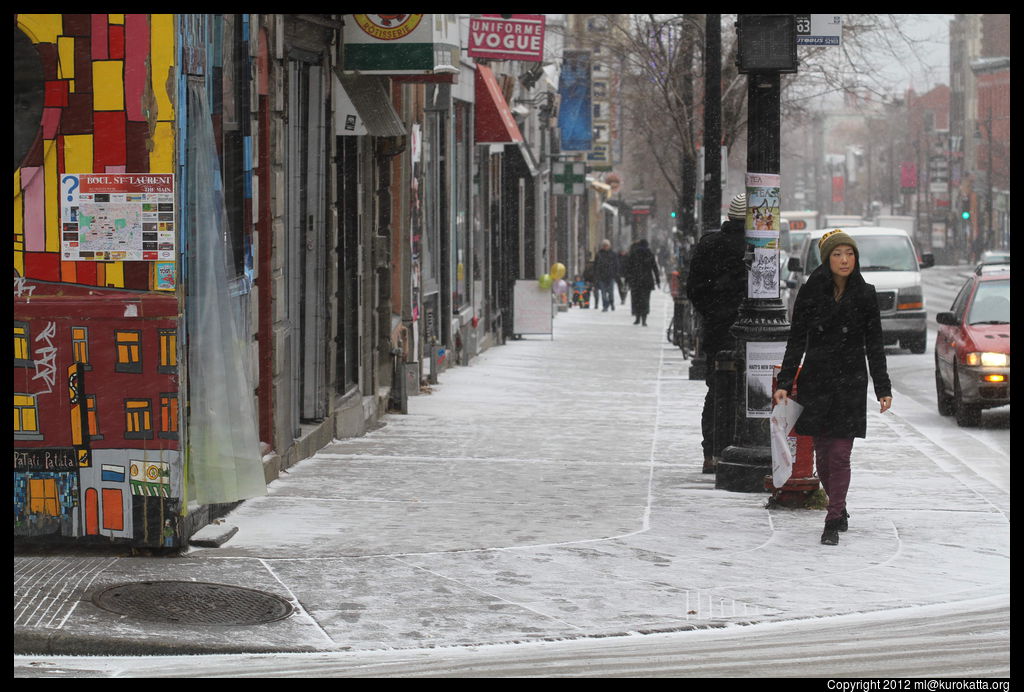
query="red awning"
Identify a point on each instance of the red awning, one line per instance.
(494, 122)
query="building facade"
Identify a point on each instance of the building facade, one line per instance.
(238, 237)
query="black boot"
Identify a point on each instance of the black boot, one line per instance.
(843, 524)
(830, 536)
(636, 321)
(709, 464)
(644, 320)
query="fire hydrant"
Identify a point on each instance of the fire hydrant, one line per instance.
(802, 481)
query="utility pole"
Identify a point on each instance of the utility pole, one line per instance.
(766, 49)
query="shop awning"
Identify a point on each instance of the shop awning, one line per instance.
(493, 121)
(362, 106)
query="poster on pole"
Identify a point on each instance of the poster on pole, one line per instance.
(762, 232)
(532, 309)
(762, 359)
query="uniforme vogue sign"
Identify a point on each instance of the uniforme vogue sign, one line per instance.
(507, 37)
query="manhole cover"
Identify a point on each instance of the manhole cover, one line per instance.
(193, 603)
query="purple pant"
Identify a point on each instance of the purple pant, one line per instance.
(832, 458)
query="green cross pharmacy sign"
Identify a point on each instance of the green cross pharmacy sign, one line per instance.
(568, 178)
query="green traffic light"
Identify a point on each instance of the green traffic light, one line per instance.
(965, 215)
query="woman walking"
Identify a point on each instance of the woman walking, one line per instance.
(836, 326)
(642, 276)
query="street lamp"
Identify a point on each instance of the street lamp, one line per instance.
(766, 49)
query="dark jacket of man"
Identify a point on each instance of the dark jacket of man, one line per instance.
(717, 284)
(836, 336)
(606, 266)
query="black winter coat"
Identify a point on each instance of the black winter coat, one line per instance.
(717, 283)
(642, 269)
(833, 339)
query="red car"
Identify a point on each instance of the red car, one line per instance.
(972, 350)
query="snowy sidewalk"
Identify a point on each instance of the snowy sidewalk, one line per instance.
(550, 490)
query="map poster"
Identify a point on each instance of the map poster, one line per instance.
(117, 217)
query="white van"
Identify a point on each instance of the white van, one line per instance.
(890, 263)
(843, 220)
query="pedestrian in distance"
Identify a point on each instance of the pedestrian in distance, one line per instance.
(623, 284)
(589, 280)
(716, 284)
(836, 328)
(580, 293)
(606, 268)
(642, 276)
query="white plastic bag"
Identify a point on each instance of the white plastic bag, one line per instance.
(783, 418)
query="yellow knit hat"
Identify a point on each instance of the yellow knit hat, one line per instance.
(833, 239)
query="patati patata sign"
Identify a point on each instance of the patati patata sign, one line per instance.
(517, 37)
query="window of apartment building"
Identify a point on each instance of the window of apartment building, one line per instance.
(22, 355)
(80, 345)
(169, 415)
(94, 425)
(26, 417)
(42, 496)
(138, 419)
(233, 41)
(168, 351)
(129, 351)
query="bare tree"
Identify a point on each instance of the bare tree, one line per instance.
(662, 98)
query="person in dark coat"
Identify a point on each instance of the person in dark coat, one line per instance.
(836, 327)
(642, 276)
(716, 284)
(606, 268)
(621, 278)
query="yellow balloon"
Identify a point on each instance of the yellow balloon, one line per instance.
(557, 271)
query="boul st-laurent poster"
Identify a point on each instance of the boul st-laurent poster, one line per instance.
(117, 217)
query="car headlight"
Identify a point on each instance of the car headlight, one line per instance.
(910, 299)
(995, 360)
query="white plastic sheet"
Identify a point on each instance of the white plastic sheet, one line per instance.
(783, 418)
(224, 460)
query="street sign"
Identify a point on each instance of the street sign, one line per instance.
(507, 37)
(819, 29)
(568, 178)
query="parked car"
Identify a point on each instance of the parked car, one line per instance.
(992, 257)
(890, 263)
(972, 349)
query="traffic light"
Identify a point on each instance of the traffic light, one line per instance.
(673, 214)
(965, 215)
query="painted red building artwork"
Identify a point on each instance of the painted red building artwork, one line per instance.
(96, 448)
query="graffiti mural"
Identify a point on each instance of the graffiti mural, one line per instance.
(96, 412)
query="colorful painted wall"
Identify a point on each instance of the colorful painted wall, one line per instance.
(106, 110)
(96, 449)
